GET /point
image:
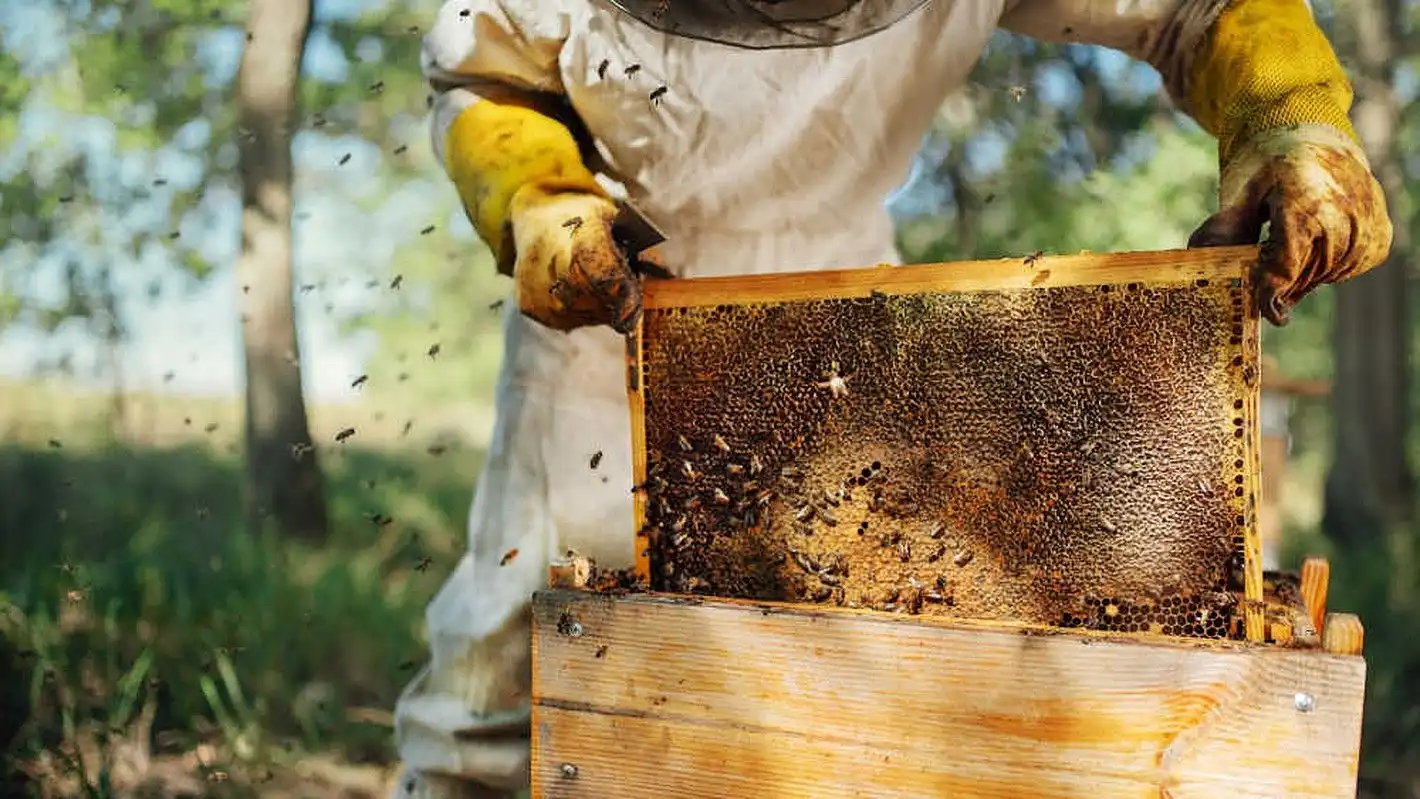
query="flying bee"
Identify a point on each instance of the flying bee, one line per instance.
(688, 469)
(720, 443)
(684, 443)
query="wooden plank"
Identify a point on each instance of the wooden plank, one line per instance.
(1070, 440)
(1342, 634)
(655, 696)
(1045, 271)
(1316, 579)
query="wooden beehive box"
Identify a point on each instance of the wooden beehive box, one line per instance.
(1057, 440)
(671, 697)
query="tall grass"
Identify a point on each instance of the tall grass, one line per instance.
(138, 618)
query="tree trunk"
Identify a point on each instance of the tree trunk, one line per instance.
(283, 475)
(1370, 492)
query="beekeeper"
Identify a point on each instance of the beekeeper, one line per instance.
(765, 136)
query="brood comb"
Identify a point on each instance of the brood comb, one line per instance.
(1069, 441)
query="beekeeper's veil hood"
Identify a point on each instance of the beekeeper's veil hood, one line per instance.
(770, 24)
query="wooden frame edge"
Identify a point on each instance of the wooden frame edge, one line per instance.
(1043, 271)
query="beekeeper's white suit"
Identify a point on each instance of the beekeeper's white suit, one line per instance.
(750, 161)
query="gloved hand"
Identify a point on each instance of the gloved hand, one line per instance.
(568, 269)
(519, 171)
(1327, 213)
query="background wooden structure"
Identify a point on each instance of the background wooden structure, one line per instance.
(1278, 393)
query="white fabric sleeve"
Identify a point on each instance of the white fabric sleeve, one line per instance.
(1165, 33)
(507, 44)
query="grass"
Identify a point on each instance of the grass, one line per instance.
(136, 609)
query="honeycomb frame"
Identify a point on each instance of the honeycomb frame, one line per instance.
(1089, 457)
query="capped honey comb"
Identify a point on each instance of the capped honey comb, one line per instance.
(1068, 441)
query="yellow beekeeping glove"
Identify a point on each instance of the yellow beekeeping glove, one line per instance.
(1267, 84)
(534, 202)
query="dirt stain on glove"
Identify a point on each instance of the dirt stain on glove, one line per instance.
(1325, 212)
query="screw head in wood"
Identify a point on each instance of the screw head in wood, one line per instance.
(569, 771)
(1304, 702)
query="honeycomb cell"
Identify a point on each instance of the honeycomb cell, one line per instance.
(1072, 456)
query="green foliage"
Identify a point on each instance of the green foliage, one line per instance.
(145, 598)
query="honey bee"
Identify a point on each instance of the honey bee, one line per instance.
(836, 383)
(805, 562)
(720, 443)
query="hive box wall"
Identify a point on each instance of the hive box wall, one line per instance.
(666, 697)
(1065, 440)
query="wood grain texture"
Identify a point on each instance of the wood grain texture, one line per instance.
(1316, 579)
(667, 697)
(1045, 271)
(1342, 634)
(1069, 440)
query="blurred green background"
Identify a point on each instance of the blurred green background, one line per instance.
(188, 606)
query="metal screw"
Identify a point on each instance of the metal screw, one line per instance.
(575, 629)
(1304, 702)
(569, 771)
